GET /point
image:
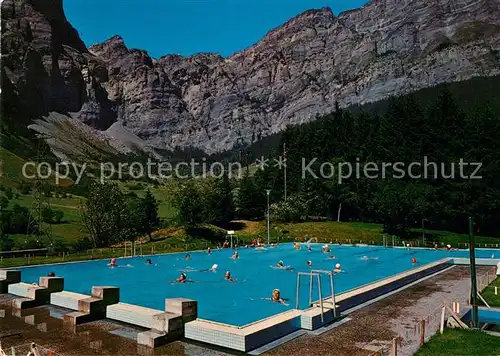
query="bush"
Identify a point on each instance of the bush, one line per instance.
(207, 232)
(291, 210)
(25, 188)
(136, 186)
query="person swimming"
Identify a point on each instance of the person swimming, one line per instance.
(276, 297)
(187, 257)
(296, 245)
(235, 255)
(280, 264)
(182, 278)
(309, 263)
(148, 262)
(209, 251)
(326, 249)
(51, 274)
(413, 260)
(337, 268)
(366, 258)
(228, 277)
(332, 257)
(112, 263)
(309, 248)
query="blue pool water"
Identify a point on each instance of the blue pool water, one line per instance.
(238, 303)
(489, 316)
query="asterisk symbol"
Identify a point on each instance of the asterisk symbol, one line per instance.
(280, 162)
(261, 163)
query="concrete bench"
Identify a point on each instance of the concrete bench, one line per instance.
(35, 294)
(8, 277)
(133, 314)
(21, 289)
(68, 300)
(165, 326)
(88, 308)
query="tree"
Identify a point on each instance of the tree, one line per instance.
(218, 202)
(47, 215)
(150, 214)
(103, 213)
(189, 205)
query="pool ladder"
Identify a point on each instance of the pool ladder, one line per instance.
(316, 273)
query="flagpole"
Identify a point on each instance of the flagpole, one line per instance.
(284, 171)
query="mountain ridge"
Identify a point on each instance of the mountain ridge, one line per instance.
(297, 71)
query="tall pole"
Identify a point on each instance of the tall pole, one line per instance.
(473, 289)
(284, 167)
(423, 232)
(267, 215)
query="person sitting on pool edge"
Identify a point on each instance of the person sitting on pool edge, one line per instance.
(112, 263)
(228, 277)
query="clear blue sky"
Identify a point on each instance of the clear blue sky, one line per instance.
(188, 26)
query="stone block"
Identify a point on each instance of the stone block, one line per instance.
(154, 339)
(167, 322)
(187, 308)
(110, 295)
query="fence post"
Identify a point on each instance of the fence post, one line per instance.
(422, 332)
(443, 314)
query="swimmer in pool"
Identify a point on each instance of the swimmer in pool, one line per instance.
(366, 258)
(112, 263)
(332, 257)
(182, 278)
(209, 251)
(228, 277)
(187, 257)
(296, 245)
(309, 248)
(235, 255)
(280, 264)
(276, 297)
(309, 263)
(148, 262)
(413, 260)
(337, 268)
(326, 249)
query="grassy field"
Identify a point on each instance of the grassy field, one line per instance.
(455, 342)
(489, 294)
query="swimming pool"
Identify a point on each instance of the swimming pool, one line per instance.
(238, 303)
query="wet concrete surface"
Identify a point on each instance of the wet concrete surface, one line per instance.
(44, 326)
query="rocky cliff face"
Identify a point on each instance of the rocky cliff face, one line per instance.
(296, 71)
